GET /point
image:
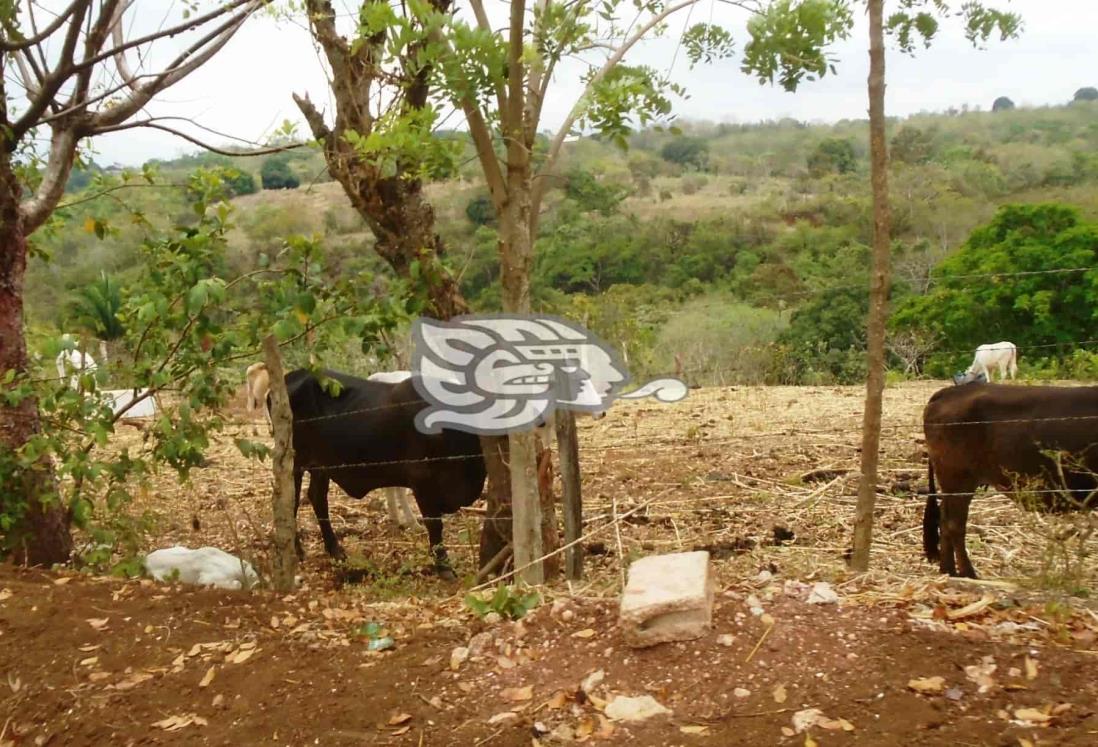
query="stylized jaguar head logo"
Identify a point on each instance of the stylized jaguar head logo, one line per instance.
(496, 374)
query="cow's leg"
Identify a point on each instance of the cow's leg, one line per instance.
(953, 558)
(404, 507)
(438, 550)
(298, 477)
(400, 512)
(318, 496)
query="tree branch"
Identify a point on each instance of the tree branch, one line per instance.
(38, 36)
(58, 167)
(152, 125)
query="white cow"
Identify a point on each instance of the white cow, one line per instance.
(72, 364)
(1003, 355)
(398, 500)
(206, 566)
(257, 382)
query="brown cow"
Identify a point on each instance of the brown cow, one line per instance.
(1004, 436)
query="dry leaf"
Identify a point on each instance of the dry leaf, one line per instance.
(584, 728)
(242, 656)
(1032, 715)
(98, 676)
(557, 702)
(810, 742)
(779, 694)
(5, 593)
(786, 731)
(400, 718)
(179, 661)
(465, 687)
(209, 677)
(585, 633)
(91, 660)
(518, 694)
(401, 730)
(62, 581)
(505, 663)
(927, 685)
(90, 648)
(274, 622)
(971, 609)
(98, 623)
(1031, 669)
(606, 727)
(132, 681)
(693, 729)
(1023, 742)
(500, 717)
(1061, 709)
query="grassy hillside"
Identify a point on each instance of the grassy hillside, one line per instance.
(745, 224)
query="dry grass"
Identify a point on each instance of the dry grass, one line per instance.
(721, 470)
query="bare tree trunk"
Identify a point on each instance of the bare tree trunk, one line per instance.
(572, 500)
(878, 298)
(41, 533)
(282, 495)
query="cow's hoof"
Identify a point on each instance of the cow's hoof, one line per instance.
(337, 554)
(446, 573)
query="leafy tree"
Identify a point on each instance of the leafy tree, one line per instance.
(276, 174)
(832, 156)
(592, 195)
(241, 183)
(912, 145)
(972, 303)
(1087, 93)
(826, 338)
(688, 152)
(185, 327)
(1002, 104)
(79, 75)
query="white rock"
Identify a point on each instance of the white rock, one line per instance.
(726, 639)
(667, 598)
(480, 643)
(625, 708)
(458, 657)
(741, 692)
(806, 719)
(822, 593)
(593, 680)
(206, 566)
(492, 618)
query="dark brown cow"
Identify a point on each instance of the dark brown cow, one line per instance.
(365, 438)
(1002, 436)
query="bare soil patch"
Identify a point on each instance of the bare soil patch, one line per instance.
(87, 660)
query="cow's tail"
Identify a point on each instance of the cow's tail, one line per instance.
(931, 517)
(1013, 364)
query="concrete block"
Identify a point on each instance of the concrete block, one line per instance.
(667, 598)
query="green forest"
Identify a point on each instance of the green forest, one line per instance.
(727, 253)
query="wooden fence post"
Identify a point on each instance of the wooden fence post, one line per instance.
(572, 498)
(284, 564)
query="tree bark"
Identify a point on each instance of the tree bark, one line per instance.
(878, 298)
(282, 495)
(41, 533)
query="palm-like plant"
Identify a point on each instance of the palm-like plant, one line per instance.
(94, 310)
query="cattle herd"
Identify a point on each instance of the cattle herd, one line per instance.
(1034, 441)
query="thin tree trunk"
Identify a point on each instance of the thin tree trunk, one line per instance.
(41, 532)
(572, 499)
(878, 298)
(282, 494)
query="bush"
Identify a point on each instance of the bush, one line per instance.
(481, 211)
(832, 156)
(1087, 93)
(665, 195)
(276, 174)
(1002, 104)
(693, 184)
(687, 152)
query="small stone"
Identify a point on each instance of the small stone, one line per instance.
(625, 708)
(567, 615)
(667, 598)
(492, 618)
(822, 593)
(480, 643)
(593, 680)
(458, 657)
(741, 692)
(725, 639)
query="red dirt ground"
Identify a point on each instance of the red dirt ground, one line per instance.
(90, 661)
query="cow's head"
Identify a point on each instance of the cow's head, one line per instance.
(498, 374)
(968, 377)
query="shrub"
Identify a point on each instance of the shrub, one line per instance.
(687, 151)
(693, 184)
(276, 174)
(481, 211)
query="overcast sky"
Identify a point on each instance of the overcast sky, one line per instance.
(246, 90)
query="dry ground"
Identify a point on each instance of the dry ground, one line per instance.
(96, 661)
